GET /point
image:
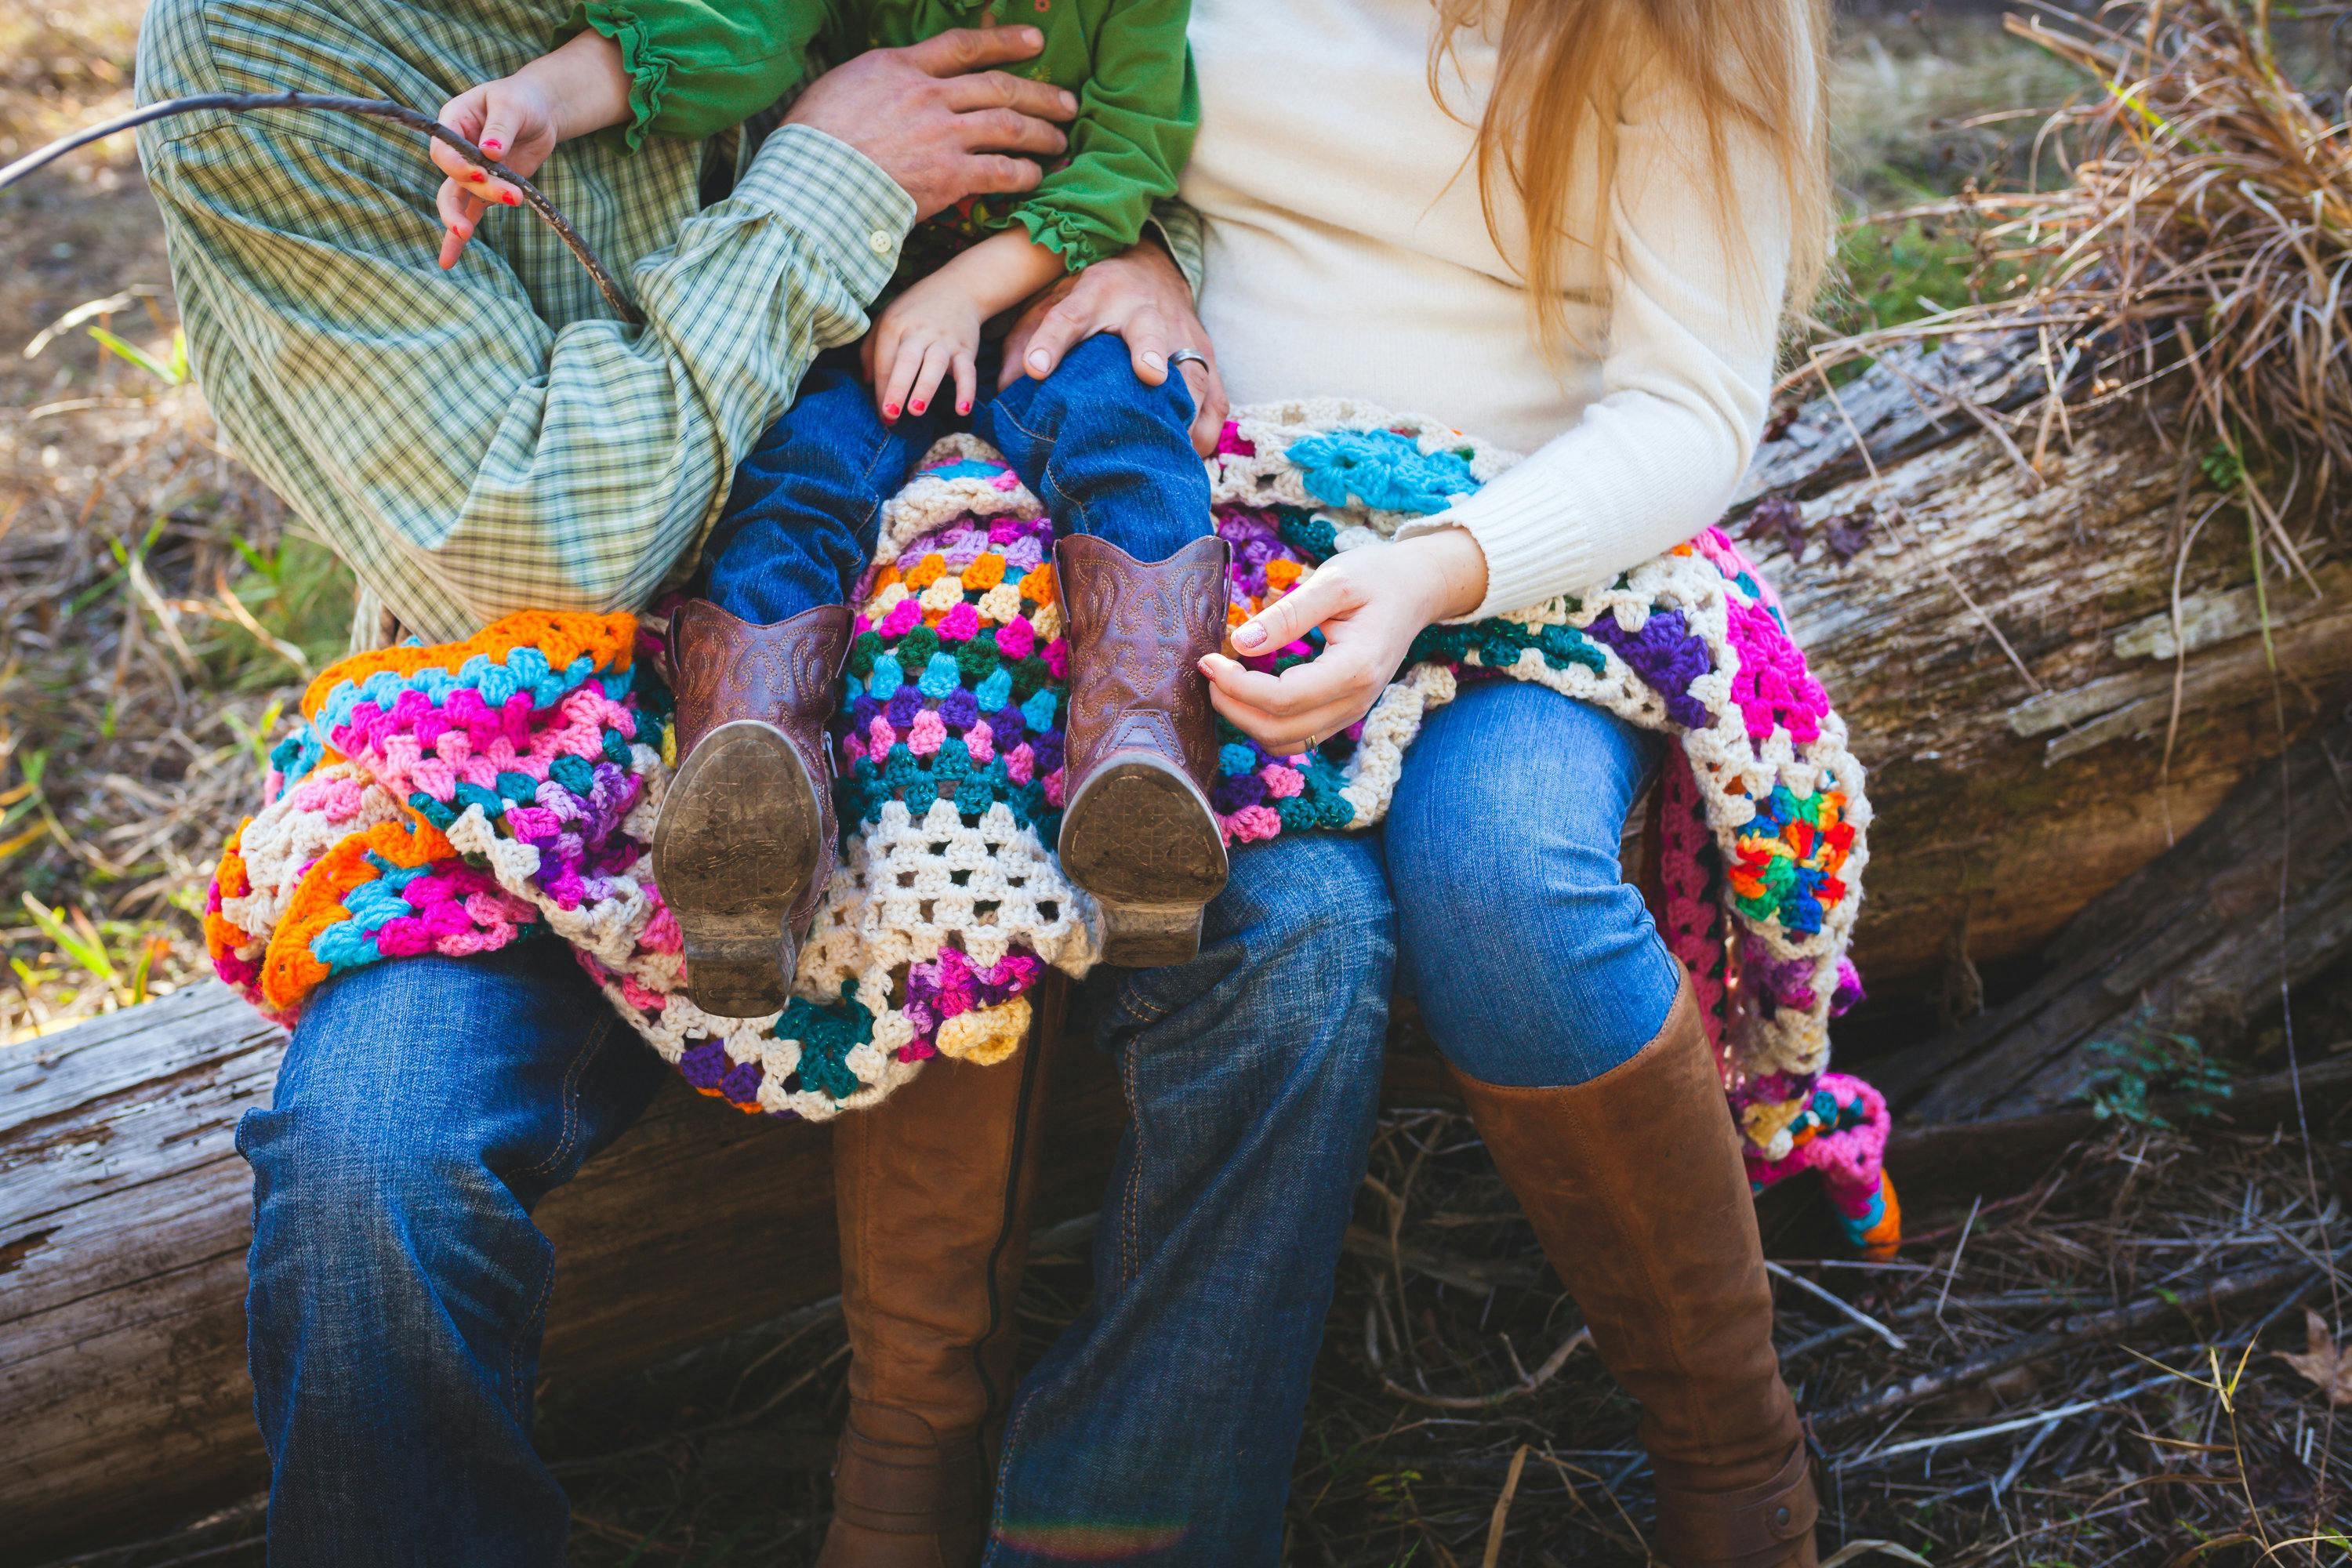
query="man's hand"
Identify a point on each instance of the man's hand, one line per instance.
(936, 120)
(1142, 298)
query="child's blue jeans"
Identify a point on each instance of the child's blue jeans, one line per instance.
(1108, 456)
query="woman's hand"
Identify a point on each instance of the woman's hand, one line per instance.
(1142, 298)
(928, 333)
(1371, 603)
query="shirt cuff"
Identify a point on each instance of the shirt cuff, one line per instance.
(1531, 538)
(1179, 228)
(855, 215)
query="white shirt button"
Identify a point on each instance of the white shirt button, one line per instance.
(881, 242)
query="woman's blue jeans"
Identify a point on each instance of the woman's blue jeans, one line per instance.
(1534, 961)
(397, 1284)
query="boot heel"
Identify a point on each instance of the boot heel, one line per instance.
(1149, 936)
(736, 846)
(743, 980)
(1140, 837)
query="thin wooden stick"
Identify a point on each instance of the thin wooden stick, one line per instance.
(1838, 1303)
(374, 108)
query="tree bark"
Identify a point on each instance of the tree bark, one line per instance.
(2010, 792)
(2200, 942)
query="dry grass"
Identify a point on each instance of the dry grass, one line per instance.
(2190, 237)
(155, 604)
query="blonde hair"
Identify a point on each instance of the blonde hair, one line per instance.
(1756, 67)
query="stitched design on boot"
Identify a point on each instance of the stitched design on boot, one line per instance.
(1137, 633)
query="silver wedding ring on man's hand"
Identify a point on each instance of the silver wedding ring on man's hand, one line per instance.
(1188, 356)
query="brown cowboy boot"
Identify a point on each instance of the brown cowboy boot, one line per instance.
(1137, 832)
(1638, 1194)
(931, 1188)
(743, 847)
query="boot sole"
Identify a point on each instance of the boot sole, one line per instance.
(734, 851)
(1142, 839)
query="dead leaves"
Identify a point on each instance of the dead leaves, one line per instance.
(2326, 1364)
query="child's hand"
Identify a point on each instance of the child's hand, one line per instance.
(926, 333)
(518, 120)
(514, 119)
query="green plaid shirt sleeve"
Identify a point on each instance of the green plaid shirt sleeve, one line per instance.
(488, 439)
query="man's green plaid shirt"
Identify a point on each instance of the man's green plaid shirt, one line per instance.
(488, 439)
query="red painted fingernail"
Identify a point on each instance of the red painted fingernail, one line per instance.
(511, 199)
(964, 407)
(474, 174)
(889, 411)
(494, 148)
(920, 406)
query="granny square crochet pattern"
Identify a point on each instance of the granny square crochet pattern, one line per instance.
(454, 799)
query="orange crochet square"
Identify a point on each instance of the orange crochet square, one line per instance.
(985, 573)
(925, 573)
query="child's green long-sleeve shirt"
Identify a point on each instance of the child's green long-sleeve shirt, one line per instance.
(698, 66)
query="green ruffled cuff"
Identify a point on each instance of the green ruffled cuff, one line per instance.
(648, 68)
(1078, 245)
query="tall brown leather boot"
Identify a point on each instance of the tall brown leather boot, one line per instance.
(743, 847)
(931, 1188)
(1637, 1191)
(1137, 832)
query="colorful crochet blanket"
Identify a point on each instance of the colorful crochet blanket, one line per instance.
(455, 798)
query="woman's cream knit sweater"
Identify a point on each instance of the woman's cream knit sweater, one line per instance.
(1348, 257)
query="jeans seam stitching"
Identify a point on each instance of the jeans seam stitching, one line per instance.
(568, 1096)
(1131, 1224)
(597, 1037)
(1052, 486)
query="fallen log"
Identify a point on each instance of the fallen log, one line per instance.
(2001, 643)
(2206, 937)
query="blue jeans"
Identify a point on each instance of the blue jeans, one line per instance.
(1161, 1427)
(397, 1284)
(1534, 961)
(396, 1287)
(1107, 456)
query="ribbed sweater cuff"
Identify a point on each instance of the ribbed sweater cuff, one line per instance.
(1532, 537)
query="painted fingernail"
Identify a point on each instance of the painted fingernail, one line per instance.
(964, 406)
(1249, 633)
(920, 406)
(889, 411)
(474, 174)
(511, 199)
(1039, 359)
(494, 148)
